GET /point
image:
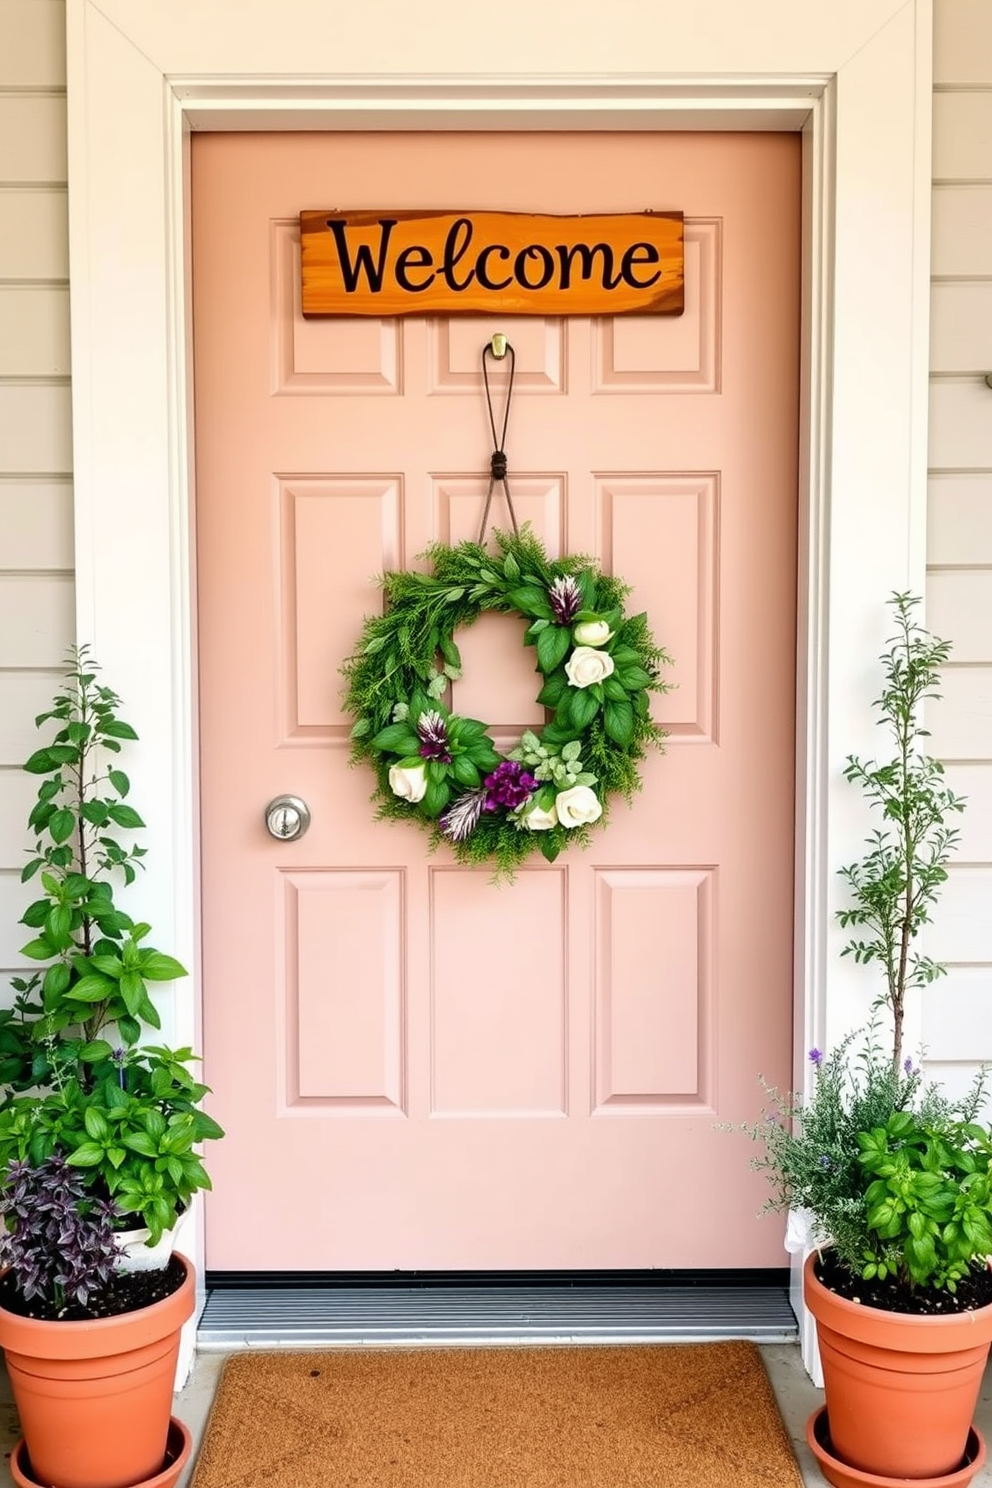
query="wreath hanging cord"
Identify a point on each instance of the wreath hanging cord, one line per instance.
(497, 460)
(597, 667)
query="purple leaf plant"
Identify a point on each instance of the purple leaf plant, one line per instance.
(57, 1240)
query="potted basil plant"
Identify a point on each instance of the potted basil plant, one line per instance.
(100, 1131)
(885, 1177)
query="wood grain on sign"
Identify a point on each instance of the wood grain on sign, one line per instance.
(512, 263)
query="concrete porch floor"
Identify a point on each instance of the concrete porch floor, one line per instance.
(795, 1394)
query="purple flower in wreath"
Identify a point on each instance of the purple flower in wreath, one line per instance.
(432, 732)
(815, 1057)
(508, 787)
(565, 599)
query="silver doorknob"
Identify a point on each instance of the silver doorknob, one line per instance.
(287, 817)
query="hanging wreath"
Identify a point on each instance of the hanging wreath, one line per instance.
(597, 668)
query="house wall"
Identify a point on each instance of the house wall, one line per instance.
(957, 1012)
(36, 543)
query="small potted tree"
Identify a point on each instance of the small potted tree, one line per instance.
(99, 1133)
(887, 1179)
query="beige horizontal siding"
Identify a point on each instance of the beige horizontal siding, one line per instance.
(959, 520)
(18, 792)
(961, 424)
(959, 607)
(957, 1012)
(36, 619)
(956, 1015)
(961, 722)
(34, 233)
(962, 42)
(35, 429)
(23, 695)
(36, 524)
(973, 784)
(32, 44)
(14, 899)
(34, 331)
(962, 136)
(962, 230)
(961, 326)
(957, 1080)
(962, 925)
(36, 536)
(32, 137)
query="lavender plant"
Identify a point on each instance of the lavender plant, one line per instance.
(891, 1173)
(57, 1240)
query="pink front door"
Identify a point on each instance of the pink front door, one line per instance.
(416, 1069)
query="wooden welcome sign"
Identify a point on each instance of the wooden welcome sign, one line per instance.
(511, 263)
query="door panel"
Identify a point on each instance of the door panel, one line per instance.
(418, 1070)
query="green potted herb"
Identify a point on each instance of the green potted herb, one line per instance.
(889, 1180)
(99, 1131)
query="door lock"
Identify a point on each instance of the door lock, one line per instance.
(287, 817)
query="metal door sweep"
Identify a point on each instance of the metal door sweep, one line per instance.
(287, 1317)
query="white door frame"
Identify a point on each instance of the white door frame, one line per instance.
(854, 76)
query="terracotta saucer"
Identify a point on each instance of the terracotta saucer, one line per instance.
(842, 1476)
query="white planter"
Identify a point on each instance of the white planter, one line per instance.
(137, 1255)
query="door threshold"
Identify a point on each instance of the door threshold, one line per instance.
(424, 1316)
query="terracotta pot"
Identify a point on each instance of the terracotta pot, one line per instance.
(901, 1389)
(95, 1398)
(178, 1446)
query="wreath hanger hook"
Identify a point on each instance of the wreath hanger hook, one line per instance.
(498, 348)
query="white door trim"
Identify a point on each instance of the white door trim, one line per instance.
(854, 76)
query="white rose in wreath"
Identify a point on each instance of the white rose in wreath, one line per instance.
(539, 820)
(586, 665)
(578, 806)
(592, 633)
(409, 782)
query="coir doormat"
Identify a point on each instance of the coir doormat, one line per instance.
(663, 1416)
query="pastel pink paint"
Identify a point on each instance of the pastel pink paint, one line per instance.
(417, 1070)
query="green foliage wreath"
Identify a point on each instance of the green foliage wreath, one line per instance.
(597, 667)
